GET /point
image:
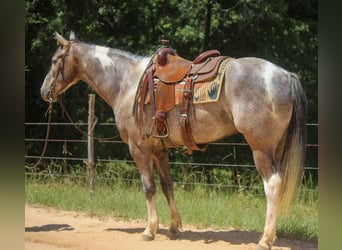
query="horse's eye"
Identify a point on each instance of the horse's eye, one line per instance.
(54, 61)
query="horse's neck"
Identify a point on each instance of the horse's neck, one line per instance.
(112, 74)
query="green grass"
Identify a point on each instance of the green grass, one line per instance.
(202, 206)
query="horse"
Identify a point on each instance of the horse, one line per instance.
(260, 100)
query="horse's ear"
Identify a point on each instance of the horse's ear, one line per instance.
(72, 35)
(60, 40)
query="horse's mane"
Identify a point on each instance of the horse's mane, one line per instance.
(112, 51)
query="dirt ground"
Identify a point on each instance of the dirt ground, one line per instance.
(50, 229)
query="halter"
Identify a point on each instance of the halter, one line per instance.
(55, 74)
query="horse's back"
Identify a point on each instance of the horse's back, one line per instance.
(259, 93)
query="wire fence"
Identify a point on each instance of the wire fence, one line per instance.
(33, 143)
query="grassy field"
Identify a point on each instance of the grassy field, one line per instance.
(202, 206)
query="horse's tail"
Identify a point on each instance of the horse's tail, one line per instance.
(294, 149)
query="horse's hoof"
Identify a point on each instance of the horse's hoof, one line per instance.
(263, 246)
(147, 237)
(173, 234)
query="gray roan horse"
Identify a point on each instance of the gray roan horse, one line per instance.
(260, 100)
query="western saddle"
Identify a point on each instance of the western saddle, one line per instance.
(157, 88)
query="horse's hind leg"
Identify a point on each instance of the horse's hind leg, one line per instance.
(161, 159)
(272, 185)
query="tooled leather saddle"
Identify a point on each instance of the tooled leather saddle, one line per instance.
(158, 89)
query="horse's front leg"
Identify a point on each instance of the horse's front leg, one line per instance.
(150, 195)
(144, 163)
(161, 158)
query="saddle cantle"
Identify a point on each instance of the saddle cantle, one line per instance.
(158, 88)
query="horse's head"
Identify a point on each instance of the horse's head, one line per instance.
(62, 73)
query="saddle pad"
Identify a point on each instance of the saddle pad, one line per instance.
(204, 92)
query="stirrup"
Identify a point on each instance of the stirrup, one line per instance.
(157, 135)
(162, 130)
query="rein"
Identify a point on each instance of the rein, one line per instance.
(64, 110)
(48, 111)
(52, 94)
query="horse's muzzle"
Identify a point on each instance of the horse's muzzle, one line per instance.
(48, 95)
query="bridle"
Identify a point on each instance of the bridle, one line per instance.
(60, 64)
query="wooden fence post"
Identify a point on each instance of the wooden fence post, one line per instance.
(91, 125)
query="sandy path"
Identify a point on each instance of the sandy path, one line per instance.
(51, 229)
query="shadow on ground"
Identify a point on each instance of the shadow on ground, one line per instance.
(237, 237)
(49, 227)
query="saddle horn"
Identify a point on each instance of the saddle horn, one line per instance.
(164, 51)
(165, 42)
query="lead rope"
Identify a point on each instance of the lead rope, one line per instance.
(48, 111)
(80, 130)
